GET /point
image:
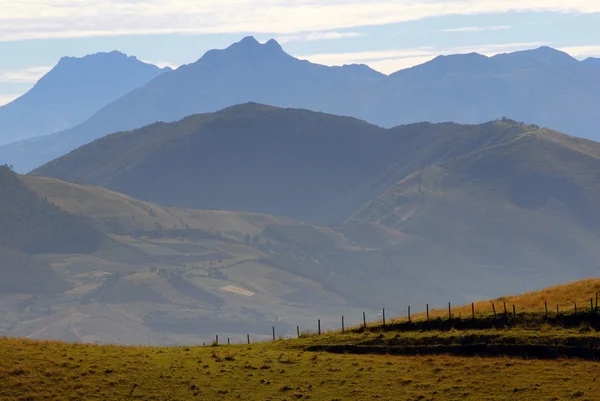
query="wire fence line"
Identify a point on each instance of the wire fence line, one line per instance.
(504, 311)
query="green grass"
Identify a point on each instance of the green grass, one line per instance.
(358, 364)
(284, 370)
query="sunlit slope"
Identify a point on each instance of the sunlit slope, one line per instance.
(123, 214)
(566, 296)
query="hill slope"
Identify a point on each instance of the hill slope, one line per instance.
(71, 92)
(296, 163)
(528, 206)
(30, 226)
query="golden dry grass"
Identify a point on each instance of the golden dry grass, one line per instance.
(287, 370)
(562, 295)
(56, 371)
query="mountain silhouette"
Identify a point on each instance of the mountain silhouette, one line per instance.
(71, 92)
(543, 86)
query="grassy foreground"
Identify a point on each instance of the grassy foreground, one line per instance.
(553, 358)
(58, 371)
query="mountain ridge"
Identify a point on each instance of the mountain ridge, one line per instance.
(279, 153)
(542, 86)
(74, 89)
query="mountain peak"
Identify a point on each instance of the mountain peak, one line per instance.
(592, 61)
(248, 41)
(247, 48)
(543, 54)
(101, 56)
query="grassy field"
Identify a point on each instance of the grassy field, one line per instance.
(552, 358)
(280, 371)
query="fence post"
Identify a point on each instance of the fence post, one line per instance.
(228, 341)
(494, 309)
(364, 320)
(473, 310)
(343, 328)
(384, 316)
(427, 311)
(505, 310)
(557, 311)
(514, 311)
(409, 314)
(273, 333)
(298, 331)
(217, 339)
(575, 305)
(319, 323)
(449, 310)
(546, 308)
(248, 337)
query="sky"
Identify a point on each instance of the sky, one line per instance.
(386, 35)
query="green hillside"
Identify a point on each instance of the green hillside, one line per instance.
(526, 209)
(31, 225)
(310, 166)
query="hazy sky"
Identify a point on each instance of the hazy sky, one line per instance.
(387, 35)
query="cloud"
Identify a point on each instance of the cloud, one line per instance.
(313, 36)
(26, 75)
(388, 61)
(6, 98)
(162, 64)
(476, 29)
(582, 51)
(29, 19)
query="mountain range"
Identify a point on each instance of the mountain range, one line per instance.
(542, 86)
(368, 217)
(71, 92)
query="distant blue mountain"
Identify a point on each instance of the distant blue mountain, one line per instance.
(592, 61)
(542, 86)
(71, 92)
(245, 71)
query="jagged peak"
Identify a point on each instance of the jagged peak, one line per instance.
(246, 48)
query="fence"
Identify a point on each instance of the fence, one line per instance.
(428, 322)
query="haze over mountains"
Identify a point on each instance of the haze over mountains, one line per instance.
(414, 214)
(71, 92)
(543, 86)
(311, 166)
(151, 222)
